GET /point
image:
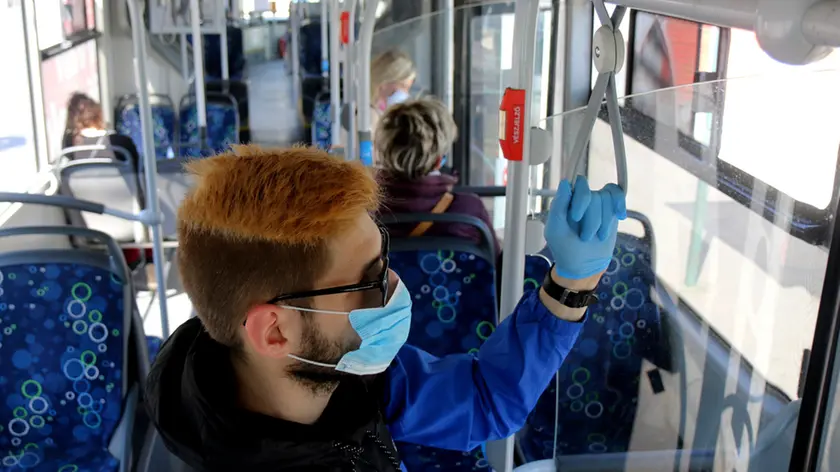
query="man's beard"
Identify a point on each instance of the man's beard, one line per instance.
(321, 380)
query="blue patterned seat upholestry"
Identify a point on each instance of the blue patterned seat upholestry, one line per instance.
(61, 366)
(322, 123)
(453, 311)
(153, 344)
(163, 117)
(599, 381)
(222, 128)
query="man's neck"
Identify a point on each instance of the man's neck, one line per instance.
(276, 394)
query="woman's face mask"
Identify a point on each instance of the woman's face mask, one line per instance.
(398, 96)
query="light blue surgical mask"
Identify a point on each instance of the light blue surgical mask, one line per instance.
(384, 330)
(443, 160)
(397, 97)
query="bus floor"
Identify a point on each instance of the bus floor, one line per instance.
(274, 118)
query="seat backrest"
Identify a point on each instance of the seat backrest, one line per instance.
(163, 117)
(454, 298)
(66, 321)
(322, 122)
(536, 268)
(453, 285)
(222, 124)
(598, 383)
(110, 182)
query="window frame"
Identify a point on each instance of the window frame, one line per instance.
(808, 223)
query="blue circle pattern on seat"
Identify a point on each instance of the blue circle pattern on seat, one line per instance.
(322, 125)
(453, 311)
(599, 381)
(153, 344)
(222, 129)
(163, 117)
(61, 359)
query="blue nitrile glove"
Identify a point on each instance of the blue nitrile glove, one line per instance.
(582, 227)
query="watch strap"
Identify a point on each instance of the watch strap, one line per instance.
(565, 296)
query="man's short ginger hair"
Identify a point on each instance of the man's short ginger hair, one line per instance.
(257, 224)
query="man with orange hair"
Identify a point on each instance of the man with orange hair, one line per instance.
(297, 360)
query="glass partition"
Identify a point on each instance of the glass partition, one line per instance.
(490, 66)
(692, 360)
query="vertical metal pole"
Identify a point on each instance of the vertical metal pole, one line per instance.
(448, 40)
(335, 71)
(198, 65)
(138, 36)
(500, 453)
(224, 49)
(325, 47)
(185, 66)
(294, 23)
(349, 83)
(363, 55)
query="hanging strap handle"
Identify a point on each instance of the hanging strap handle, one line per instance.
(441, 207)
(608, 55)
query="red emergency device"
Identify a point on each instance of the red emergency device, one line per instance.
(345, 27)
(512, 123)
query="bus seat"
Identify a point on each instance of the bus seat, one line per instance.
(239, 90)
(109, 182)
(163, 116)
(222, 124)
(453, 283)
(322, 122)
(599, 381)
(72, 366)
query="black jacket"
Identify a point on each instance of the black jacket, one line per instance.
(191, 398)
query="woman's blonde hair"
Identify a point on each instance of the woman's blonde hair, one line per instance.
(392, 66)
(411, 136)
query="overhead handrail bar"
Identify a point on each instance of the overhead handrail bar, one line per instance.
(138, 36)
(792, 31)
(363, 53)
(608, 55)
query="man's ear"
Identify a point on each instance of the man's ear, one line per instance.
(269, 328)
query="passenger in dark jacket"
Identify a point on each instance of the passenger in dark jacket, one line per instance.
(411, 141)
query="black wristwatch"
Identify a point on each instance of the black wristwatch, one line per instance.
(569, 298)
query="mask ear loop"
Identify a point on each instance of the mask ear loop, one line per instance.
(307, 361)
(309, 310)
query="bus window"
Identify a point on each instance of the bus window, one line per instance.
(735, 335)
(17, 144)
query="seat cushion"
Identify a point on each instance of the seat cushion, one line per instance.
(61, 365)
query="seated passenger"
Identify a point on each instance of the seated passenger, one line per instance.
(411, 142)
(297, 360)
(392, 74)
(86, 126)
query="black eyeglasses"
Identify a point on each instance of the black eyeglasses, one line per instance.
(381, 282)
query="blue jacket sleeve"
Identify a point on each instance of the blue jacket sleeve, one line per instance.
(460, 401)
